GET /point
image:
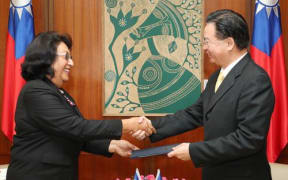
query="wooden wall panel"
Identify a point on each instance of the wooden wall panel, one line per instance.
(83, 21)
(283, 158)
(284, 20)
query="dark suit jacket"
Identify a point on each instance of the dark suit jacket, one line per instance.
(51, 132)
(236, 121)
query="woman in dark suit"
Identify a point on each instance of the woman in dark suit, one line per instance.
(50, 130)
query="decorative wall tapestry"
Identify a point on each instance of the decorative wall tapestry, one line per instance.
(152, 56)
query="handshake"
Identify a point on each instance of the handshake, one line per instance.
(138, 127)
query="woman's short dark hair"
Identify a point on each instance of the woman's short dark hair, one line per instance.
(41, 54)
(229, 23)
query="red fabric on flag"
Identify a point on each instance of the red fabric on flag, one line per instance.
(20, 34)
(274, 64)
(13, 83)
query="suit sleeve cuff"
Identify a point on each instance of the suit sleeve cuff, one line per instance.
(193, 155)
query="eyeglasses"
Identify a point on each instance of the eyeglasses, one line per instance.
(66, 55)
(208, 42)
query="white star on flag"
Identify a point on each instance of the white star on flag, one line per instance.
(19, 5)
(269, 5)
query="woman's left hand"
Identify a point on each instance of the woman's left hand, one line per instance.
(121, 147)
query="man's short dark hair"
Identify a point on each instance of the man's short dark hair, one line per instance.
(41, 54)
(229, 23)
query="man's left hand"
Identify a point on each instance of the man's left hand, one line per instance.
(181, 152)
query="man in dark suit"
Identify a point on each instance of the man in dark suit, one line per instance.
(235, 113)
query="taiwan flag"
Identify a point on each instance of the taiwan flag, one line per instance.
(267, 51)
(20, 34)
